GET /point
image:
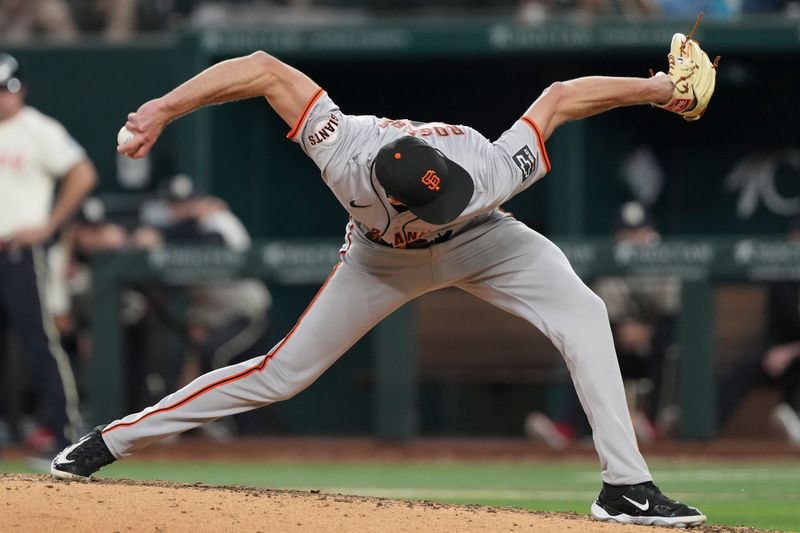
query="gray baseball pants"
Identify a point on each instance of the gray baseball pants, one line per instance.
(501, 261)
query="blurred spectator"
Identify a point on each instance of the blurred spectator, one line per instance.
(22, 19)
(36, 152)
(66, 19)
(766, 6)
(121, 19)
(618, 7)
(690, 8)
(533, 11)
(642, 312)
(224, 319)
(93, 232)
(115, 19)
(142, 315)
(778, 364)
(57, 298)
(160, 15)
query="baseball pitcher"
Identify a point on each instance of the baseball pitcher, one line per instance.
(423, 200)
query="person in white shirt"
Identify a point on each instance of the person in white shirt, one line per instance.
(36, 152)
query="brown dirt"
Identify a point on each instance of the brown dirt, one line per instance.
(34, 503)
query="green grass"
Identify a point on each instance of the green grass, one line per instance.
(757, 494)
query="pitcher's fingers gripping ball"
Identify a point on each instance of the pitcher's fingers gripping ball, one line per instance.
(693, 75)
(124, 136)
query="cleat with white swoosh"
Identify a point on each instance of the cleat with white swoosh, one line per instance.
(643, 504)
(79, 461)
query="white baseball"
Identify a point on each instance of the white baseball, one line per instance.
(124, 136)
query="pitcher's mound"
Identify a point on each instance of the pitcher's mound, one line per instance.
(33, 503)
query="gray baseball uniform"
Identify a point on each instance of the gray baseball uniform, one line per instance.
(390, 257)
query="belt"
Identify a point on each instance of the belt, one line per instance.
(414, 245)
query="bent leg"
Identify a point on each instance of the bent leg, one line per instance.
(530, 277)
(348, 305)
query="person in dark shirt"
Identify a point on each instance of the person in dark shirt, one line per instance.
(778, 363)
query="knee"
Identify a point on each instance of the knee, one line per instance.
(597, 306)
(587, 325)
(289, 386)
(589, 307)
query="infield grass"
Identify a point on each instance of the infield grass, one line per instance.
(763, 495)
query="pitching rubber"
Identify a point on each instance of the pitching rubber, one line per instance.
(598, 513)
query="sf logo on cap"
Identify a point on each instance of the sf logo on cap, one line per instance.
(431, 180)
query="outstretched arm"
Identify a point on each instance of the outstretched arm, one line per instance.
(286, 89)
(584, 97)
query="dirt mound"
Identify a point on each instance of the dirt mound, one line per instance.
(33, 503)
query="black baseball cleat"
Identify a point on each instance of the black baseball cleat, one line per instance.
(79, 461)
(643, 504)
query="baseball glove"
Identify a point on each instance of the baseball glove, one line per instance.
(693, 76)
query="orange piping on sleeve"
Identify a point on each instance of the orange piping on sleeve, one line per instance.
(539, 140)
(302, 118)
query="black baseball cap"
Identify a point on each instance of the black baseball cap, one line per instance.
(10, 74)
(433, 187)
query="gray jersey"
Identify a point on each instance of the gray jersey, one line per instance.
(344, 148)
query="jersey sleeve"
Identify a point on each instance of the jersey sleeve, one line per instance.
(519, 159)
(323, 131)
(57, 151)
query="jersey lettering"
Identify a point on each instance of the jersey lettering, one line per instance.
(403, 239)
(439, 129)
(10, 161)
(324, 131)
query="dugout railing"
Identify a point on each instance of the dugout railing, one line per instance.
(699, 263)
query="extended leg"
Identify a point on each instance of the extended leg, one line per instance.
(348, 305)
(531, 278)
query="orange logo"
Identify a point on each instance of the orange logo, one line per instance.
(431, 180)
